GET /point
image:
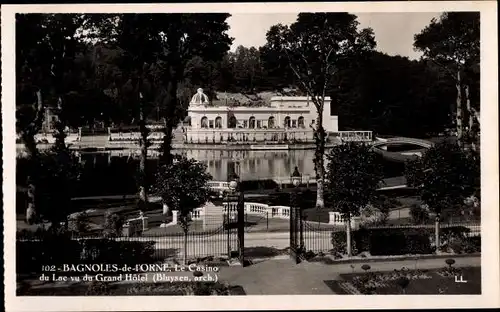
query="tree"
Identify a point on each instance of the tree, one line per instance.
(354, 175)
(453, 43)
(392, 95)
(315, 47)
(185, 36)
(44, 53)
(444, 177)
(153, 50)
(183, 186)
(133, 46)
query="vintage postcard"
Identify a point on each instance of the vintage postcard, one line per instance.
(255, 156)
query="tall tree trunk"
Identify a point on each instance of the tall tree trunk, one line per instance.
(28, 137)
(143, 197)
(459, 117)
(348, 236)
(319, 160)
(60, 127)
(170, 114)
(436, 232)
(471, 116)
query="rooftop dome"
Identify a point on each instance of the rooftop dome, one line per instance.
(199, 98)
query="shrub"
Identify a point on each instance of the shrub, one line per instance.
(395, 241)
(463, 245)
(419, 215)
(384, 241)
(454, 232)
(79, 223)
(339, 244)
(113, 224)
(453, 239)
(473, 244)
(118, 252)
(372, 216)
(31, 255)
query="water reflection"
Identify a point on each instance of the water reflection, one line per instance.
(115, 173)
(252, 165)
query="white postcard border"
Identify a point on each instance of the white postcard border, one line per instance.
(489, 169)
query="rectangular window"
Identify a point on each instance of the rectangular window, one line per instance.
(294, 123)
(259, 124)
(211, 124)
(245, 123)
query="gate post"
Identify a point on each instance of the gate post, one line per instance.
(241, 228)
(294, 228)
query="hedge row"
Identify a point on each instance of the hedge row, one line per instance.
(32, 255)
(402, 241)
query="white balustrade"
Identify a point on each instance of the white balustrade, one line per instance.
(278, 212)
(336, 218)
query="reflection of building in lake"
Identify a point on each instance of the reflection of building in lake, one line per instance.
(249, 165)
(252, 165)
(284, 119)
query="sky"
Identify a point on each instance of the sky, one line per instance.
(393, 31)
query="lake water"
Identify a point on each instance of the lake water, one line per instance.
(112, 175)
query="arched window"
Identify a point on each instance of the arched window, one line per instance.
(287, 122)
(301, 122)
(231, 122)
(251, 122)
(218, 122)
(270, 122)
(204, 122)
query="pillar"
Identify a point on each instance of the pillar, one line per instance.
(175, 214)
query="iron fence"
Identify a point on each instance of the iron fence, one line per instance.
(317, 237)
(219, 240)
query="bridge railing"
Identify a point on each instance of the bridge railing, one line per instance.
(353, 136)
(411, 141)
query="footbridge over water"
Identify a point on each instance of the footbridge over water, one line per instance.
(382, 146)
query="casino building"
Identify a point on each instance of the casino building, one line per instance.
(283, 119)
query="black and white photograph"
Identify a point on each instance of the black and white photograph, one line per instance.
(250, 152)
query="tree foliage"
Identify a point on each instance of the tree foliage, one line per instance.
(113, 224)
(393, 95)
(453, 42)
(315, 47)
(183, 186)
(45, 51)
(354, 174)
(56, 175)
(444, 177)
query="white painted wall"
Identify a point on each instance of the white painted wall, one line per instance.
(280, 108)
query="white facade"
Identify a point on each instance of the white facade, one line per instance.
(283, 112)
(284, 117)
